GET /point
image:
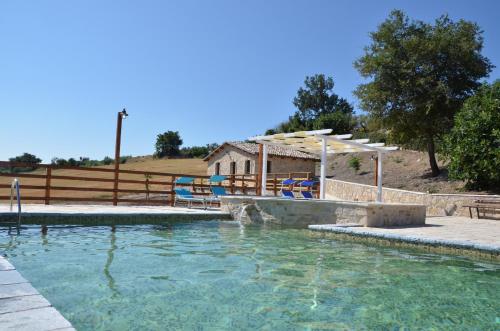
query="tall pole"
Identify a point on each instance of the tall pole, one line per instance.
(259, 170)
(375, 161)
(263, 185)
(379, 177)
(322, 184)
(117, 155)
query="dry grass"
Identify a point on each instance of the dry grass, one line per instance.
(184, 166)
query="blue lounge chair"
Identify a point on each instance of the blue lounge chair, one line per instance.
(186, 196)
(217, 191)
(307, 194)
(287, 193)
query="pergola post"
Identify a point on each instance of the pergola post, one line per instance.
(323, 170)
(264, 170)
(379, 176)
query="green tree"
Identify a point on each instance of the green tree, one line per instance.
(168, 144)
(473, 145)
(420, 76)
(318, 107)
(27, 158)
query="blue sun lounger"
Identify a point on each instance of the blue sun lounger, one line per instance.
(288, 194)
(307, 194)
(217, 191)
(184, 195)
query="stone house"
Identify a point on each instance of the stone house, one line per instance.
(242, 157)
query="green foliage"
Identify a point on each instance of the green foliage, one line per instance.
(355, 163)
(371, 127)
(420, 76)
(473, 145)
(318, 108)
(168, 144)
(24, 158)
(342, 122)
(198, 151)
(87, 162)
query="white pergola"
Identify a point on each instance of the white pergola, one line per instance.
(322, 143)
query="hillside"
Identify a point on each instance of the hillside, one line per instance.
(405, 169)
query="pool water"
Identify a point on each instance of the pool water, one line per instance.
(218, 276)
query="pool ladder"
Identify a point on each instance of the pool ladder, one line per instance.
(14, 188)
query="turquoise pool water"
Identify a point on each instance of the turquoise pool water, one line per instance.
(218, 276)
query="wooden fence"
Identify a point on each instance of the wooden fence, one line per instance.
(51, 183)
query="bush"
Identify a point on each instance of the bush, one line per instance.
(27, 158)
(355, 163)
(473, 145)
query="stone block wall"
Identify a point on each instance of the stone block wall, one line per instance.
(302, 213)
(437, 204)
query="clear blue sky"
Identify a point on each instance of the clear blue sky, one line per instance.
(212, 70)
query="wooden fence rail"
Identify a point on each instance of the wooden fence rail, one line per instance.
(65, 183)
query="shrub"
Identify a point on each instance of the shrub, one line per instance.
(473, 145)
(355, 163)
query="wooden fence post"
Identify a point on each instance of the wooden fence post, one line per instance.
(48, 174)
(232, 184)
(243, 188)
(275, 185)
(172, 195)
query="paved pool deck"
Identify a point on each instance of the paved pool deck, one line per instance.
(108, 215)
(448, 234)
(22, 308)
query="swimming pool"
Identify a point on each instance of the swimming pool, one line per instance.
(218, 276)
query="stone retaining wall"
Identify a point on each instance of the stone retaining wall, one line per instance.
(301, 213)
(437, 204)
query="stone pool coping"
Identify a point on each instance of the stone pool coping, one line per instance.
(22, 307)
(108, 215)
(449, 235)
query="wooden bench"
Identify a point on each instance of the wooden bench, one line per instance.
(493, 206)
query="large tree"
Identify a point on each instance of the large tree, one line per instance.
(168, 144)
(420, 74)
(318, 107)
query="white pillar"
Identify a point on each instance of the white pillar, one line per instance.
(323, 170)
(264, 170)
(379, 177)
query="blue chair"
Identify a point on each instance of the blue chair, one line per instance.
(287, 193)
(184, 180)
(307, 194)
(217, 191)
(184, 195)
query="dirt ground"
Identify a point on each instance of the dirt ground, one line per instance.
(405, 169)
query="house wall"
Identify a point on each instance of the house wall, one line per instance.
(278, 164)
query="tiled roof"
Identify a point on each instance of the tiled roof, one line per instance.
(253, 148)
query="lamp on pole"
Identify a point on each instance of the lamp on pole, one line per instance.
(121, 115)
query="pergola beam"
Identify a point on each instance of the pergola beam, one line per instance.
(321, 144)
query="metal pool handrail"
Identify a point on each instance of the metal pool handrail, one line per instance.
(15, 185)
